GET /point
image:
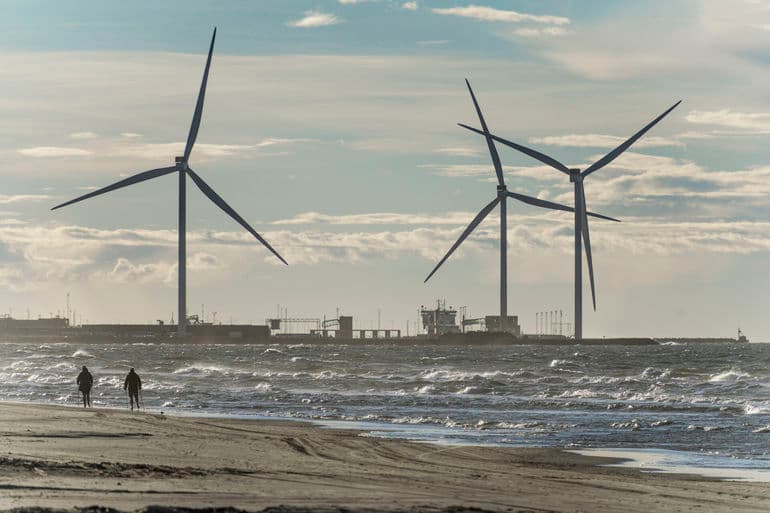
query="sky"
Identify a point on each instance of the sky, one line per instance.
(330, 126)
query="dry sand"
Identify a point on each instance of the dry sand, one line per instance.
(59, 457)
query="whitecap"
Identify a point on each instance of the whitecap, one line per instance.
(427, 389)
(728, 376)
(754, 409)
(82, 353)
(263, 387)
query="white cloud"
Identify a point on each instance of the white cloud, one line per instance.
(53, 151)
(711, 40)
(83, 135)
(125, 271)
(540, 32)
(458, 152)
(131, 135)
(385, 218)
(315, 19)
(752, 122)
(22, 198)
(602, 141)
(487, 171)
(409, 6)
(491, 14)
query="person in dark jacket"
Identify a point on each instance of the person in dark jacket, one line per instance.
(133, 384)
(85, 382)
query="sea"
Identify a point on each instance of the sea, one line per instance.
(690, 405)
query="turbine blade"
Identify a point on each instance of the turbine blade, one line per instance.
(490, 143)
(196, 121)
(476, 220)
(554, 206)
(141, 177)
(545, 159)
(587, 243)
(218, 201)
(539, 202)
(623, 147)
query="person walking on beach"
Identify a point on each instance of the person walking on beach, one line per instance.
(133, 384)
(85, 382)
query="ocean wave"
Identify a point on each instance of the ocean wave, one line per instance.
(695, 427)
(765, 429)
(263, 387)
(654, 373)
(634, 425)
(205, 369)
(456, 375)
(755, 409)
(729, 376)
(427, 389)
(82, 353)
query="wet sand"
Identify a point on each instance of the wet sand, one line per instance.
(58, 457)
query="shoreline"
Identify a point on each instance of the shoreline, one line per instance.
(645, 460)
(61, 456)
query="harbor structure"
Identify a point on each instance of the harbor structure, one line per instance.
(183, 169)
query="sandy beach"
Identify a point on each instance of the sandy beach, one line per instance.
(62, 457)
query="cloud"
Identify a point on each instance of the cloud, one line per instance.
(83, 135)
(384, 218)
(53, 151)
(640, 179)
(491, 14)
(433, 42)
(126, 271)
(708, 40)
(409, 6)
(158, 151)
(458, 152)
(128, 147)
(540, 32)
(315, 19)
(751, 122)
(22, 198)
(41, 254)
(487, 171)
(131, 135)
(601, 141)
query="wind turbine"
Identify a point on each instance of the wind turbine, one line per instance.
(502, 196)
(577, 176)
(182, 168)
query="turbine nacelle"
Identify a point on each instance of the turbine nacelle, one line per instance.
(502, 191)
(575, 175)
(181, 163)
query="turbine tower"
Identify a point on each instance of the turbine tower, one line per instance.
(576, 176)
(182, 168)
(502, 196)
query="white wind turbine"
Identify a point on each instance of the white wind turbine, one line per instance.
(502, 196)
(576, 176)
(182, 168)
